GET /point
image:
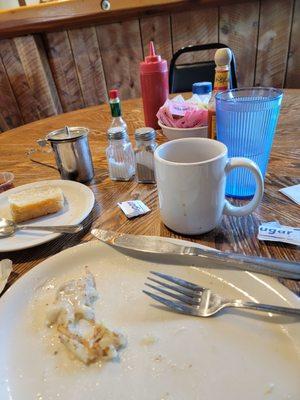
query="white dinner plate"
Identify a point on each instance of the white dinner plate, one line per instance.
(79, 201)
(235, 355)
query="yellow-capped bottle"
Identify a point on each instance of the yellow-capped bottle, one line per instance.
(222, 82)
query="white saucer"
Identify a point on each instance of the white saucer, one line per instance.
(79, 201)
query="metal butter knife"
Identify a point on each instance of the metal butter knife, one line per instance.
(162, 245)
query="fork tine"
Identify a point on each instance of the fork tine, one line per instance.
(177, 288)
(179, 281)
(180, 297)
(171, 304)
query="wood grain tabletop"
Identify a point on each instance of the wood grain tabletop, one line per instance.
(234, 234)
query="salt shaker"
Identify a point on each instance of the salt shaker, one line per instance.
(120, 156)
(144, 157)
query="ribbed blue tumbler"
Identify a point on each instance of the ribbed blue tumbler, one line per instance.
(246, 123)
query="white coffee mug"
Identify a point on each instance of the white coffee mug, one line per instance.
(191, 179)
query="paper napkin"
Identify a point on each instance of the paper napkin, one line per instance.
(293, 192)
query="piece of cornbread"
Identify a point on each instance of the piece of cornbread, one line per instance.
(36, 202)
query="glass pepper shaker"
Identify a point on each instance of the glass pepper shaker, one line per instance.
(120, 155)
(144, 157)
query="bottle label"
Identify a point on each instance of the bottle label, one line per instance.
(115, 109)
(222, 80)
(212, 128)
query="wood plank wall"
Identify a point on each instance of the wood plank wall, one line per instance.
(50, 73)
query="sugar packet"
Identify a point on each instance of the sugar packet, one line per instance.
(181, 113)
(133, 208)
(274, 232)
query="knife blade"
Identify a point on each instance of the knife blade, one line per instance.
(163, 245)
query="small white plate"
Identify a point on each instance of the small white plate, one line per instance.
(235, 355)
(79, 201)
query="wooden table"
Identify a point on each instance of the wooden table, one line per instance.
(236, 234)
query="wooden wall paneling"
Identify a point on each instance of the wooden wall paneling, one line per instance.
(158, 30)
(58, 15)
(195, 27)
(64, 71)
(121, 51)
(273, 42)
(89, 66)
(239, 30)
(30, 77)
(293, 67)
(10, 116)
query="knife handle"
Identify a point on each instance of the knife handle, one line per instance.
(263, 265)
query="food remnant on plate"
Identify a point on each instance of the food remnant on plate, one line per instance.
(148, 340)
(269, 389)
(158, 358)
(179, 330)
(73, 314)
(36, 202)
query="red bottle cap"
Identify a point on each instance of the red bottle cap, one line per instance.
(153, 62)
(113, 93)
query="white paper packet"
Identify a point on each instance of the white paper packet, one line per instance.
(133, 208)
(292, 192)
(274, 232)
(5, 270)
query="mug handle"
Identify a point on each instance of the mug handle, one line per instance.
(236, 162)
(44, 148)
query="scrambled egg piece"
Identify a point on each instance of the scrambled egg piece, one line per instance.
(73, 314)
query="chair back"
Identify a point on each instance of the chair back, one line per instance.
(182, 76)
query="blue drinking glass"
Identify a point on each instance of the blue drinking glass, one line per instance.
(246, 123)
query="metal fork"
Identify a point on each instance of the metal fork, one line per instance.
(202, 302)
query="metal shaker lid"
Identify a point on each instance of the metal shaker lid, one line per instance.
(146, 133)
(116, 133)
(67, 134)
